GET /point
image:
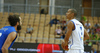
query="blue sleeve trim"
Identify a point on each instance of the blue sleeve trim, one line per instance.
(74, 25)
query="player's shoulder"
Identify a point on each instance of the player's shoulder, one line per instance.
(70, 23)
(10, 29)
(74, 20)
(7, 27)
(14, 33)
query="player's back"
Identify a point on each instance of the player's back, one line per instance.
(4, 32)
(76, 38)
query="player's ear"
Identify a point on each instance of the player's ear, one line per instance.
(73, 14)
(17, 23)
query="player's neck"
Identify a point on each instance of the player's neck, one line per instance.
(72, 18)
(15, 28)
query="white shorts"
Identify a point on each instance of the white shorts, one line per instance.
(75, 51)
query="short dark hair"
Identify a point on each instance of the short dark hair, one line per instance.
(74, 11)
(13, 19)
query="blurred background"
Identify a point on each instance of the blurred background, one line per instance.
(44, 23)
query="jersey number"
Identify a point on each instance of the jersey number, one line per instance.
(81, 30)
(0, 34)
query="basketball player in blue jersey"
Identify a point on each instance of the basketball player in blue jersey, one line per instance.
(76, 34)
(8, 34)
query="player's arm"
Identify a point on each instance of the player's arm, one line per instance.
(86, 35)
(8, 42)
(70, 27)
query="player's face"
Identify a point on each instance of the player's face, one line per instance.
(69, 14)
(20, 23)
(20, 20)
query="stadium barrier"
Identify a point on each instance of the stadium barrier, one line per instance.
(40, 48)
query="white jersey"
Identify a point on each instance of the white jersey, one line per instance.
(77, 36)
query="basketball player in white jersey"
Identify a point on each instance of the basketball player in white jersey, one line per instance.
(76, 34)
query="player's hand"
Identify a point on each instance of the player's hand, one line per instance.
(64, 43)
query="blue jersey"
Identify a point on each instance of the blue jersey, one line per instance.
(4, 32)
